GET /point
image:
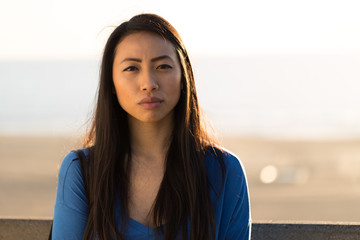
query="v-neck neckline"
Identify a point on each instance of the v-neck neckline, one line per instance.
(141, 227)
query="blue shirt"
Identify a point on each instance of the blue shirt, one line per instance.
(231, 207)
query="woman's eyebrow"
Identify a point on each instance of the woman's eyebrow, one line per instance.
(161, 57)
(131, 60)
(152, 60)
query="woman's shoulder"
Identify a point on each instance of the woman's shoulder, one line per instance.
(225, 167)
(68, 160)
(70, 181)
(220, 155)
(71, 207)
(72, 157)
(230, 194)
(70, 166)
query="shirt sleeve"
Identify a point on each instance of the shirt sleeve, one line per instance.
(240, 221)
(71, 207)
(234, 214)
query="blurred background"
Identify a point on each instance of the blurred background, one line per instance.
(278, 80)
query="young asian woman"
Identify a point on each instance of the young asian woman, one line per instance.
(153, 172)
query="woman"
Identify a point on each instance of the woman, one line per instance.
(153, 172)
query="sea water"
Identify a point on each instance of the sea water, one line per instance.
(299, 96)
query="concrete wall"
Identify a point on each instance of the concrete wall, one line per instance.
(302, 231)
(24, 229)
(32, 229)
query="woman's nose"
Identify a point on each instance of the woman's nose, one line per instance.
(149, 81)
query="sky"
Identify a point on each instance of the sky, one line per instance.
(77, 29)
(296, 69)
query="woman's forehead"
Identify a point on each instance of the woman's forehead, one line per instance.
(144, 43)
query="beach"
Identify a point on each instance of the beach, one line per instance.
(316, 180)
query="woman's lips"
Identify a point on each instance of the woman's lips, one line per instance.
(150, 102)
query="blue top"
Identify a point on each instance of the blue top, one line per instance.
(231, 207)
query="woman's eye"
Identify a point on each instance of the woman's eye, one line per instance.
(164, 66)
(130, 69)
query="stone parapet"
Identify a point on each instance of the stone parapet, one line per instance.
(33, 229)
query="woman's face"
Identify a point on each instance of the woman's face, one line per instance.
(147, 77)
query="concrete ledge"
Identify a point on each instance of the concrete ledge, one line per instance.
(24, 229)
(33, 229)
(303, 230)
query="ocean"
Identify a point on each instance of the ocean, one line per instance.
(279, 96)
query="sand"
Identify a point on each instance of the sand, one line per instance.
(317, 180)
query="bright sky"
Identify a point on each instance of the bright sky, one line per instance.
(41, 29)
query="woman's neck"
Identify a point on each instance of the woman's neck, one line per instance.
(149, 146)
(150, 141)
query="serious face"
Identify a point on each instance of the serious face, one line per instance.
(147, 77)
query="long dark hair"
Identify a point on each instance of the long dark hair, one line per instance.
(184, 192)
